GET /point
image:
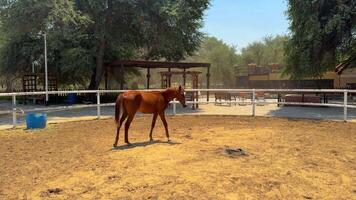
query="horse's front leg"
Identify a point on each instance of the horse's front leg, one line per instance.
(153, 125)
(163, 118)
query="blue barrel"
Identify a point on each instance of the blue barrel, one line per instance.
(72, 98)
(36, 120)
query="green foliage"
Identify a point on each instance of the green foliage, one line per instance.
(222, 57)
(269, 50)
(25, 21)
(253, 53)
(172, 32)
(322, 35)
(83, 35)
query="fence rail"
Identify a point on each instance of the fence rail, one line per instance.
(253, 101)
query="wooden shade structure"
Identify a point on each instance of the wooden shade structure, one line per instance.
(166, 77)
(35, 83)
(122, 64)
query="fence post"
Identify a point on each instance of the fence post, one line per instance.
(98, 103)
(253, 102)
(14, 117)
(174, 106)
(345, 106)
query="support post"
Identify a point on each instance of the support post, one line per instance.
(106, 78)
(174, 107)
(14, 117)
(122, 77)
(345, 106)
(162, 81)
(253, 102)
(184, 77)
(195, 106)
(148, 75)
(169, 78)
(46, 70)
(98, 104)
(207, 83)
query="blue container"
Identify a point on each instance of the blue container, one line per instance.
(72, 98)
(36, 120)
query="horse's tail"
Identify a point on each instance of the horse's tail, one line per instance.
(119, 106)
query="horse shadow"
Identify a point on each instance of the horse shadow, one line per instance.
(143, 144)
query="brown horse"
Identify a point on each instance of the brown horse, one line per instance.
(128, 103)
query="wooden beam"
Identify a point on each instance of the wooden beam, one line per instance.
(122, 77)
(169, 78)
(156, 64)
(184, 77)
(106, 78)
(207, 83)
(148, 75)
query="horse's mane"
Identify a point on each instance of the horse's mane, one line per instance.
(171, 89)
(169, 93)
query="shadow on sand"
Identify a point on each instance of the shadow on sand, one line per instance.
(143, 144)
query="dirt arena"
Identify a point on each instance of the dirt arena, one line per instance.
(287, 159)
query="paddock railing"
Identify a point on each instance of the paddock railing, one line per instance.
(252, 102)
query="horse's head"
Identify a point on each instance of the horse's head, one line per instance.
(180, 96)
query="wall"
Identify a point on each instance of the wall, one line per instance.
(348, 77)
(258, 77)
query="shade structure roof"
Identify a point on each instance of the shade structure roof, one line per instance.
(122, 64)
(180, 72)
(156, 64)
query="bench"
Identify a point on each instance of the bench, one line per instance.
(224, 97)
(300, 98)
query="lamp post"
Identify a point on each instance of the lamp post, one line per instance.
(46, 75)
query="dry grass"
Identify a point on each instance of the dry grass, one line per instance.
(288, 159)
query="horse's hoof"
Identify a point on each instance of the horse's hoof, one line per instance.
(151, 139)
(169, 140)
(128, 143)
(114, 145)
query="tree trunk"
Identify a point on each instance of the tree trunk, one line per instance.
(99, 69)
(8, 84)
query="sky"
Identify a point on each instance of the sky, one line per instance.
(240, 22)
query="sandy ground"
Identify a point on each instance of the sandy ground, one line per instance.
(287, 159)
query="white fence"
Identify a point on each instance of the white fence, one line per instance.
(200, 101)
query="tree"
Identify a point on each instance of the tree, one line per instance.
(159, 29)
(84, 35)
(24, 21)
(323, 34)
(253, 53)
(274, 49)
(222, 57)
(269, 50)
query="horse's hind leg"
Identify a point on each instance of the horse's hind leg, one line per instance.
(127, 126)
(132, 106)
(123, 117)
(153, 125)
(163, 118)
